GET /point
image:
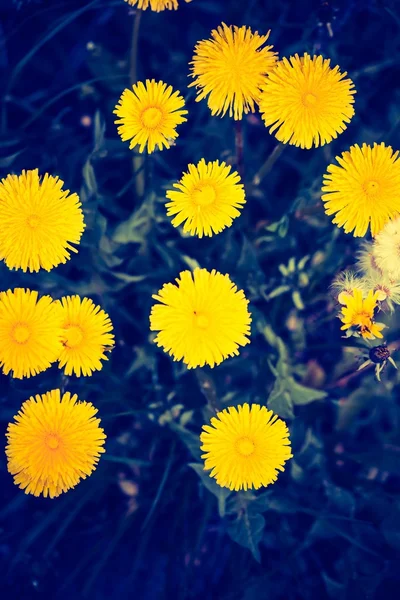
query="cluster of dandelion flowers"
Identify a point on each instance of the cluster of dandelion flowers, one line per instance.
(305, 102)
(86, 335)
(207, 198)
(155, 5)
(386, 249)
(245, 447)
(358, 313)
(230, 68)
(364, 189)
(149, 114)
(201, 320)
(30, 332)
(39, 221)
(54, 443)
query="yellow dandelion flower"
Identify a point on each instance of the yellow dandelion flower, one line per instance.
(85, 335)
(30, 333)
(230, 68)
(201, 320)
(149, 115)
(305, 102)
(207, 200)
(245, 447)
(155, 5)
(386, 249)
(53, 444)
(364, 190)
(39, 221)
(359, 312)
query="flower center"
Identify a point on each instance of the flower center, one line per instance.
(245, 446)
(309, 99)
(151, 117)
(52, 441)
(201, 321)
(33, 221)
(73, 335)
(371, 187)
(21, 333)
(204, 196)
(362, 319)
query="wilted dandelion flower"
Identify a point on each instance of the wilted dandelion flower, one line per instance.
(39, 221)
(30, 333)
(386, 249)
(229, 69)
(201, 320)
(387, 289)
(305, 102)
(53, 444)
(245, 447)
(207, 200)
(86, 335)
(364, 190)
(366, 262)
(149, 114)
(344, 285)
(155, 5)
(358, 312)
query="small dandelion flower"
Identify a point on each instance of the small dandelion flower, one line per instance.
(86, 335)
(230, 68)
(386, 249)
(155, 5)
(53, 444)
(344, 285)
(201, 320)
(207, 200)
(305, 102)
(245, 447)
(364, 190)
(39, 221)
(30, 333)
(358, 312)
(149, 115)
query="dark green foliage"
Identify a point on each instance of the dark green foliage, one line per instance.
(150, 523)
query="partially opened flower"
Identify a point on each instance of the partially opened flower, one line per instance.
(358, 313)
(207, 198)
(364, 190)
(30, 332)
(86, 335)
(155, 5)
(149, 114)
(202, 320)
(54, 442)
(230, 68)
(39, 221)
(305, 102)
(245, 447)
(386, 249)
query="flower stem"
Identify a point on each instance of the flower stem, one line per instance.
(138, 160)
(268, 164)
(239, 148)
(207, 387)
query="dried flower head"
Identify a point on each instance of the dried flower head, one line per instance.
(345, 283)
(386, 249)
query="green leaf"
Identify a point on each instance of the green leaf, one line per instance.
(247, 531)
(190, 439)
(297, 301)
(301, 394)
(280, 403)
(282, 289)
(212, 486)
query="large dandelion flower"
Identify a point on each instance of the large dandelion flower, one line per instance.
(155, 5)
(386, 249)
(53, 444)
(230, 68)
(245, 447)
(364, 190)
(201, 320)
(39, 221)
(86, 335)
(305, 102)
(358, 312)
(30, 332)
(149, 115)
(208, 199)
